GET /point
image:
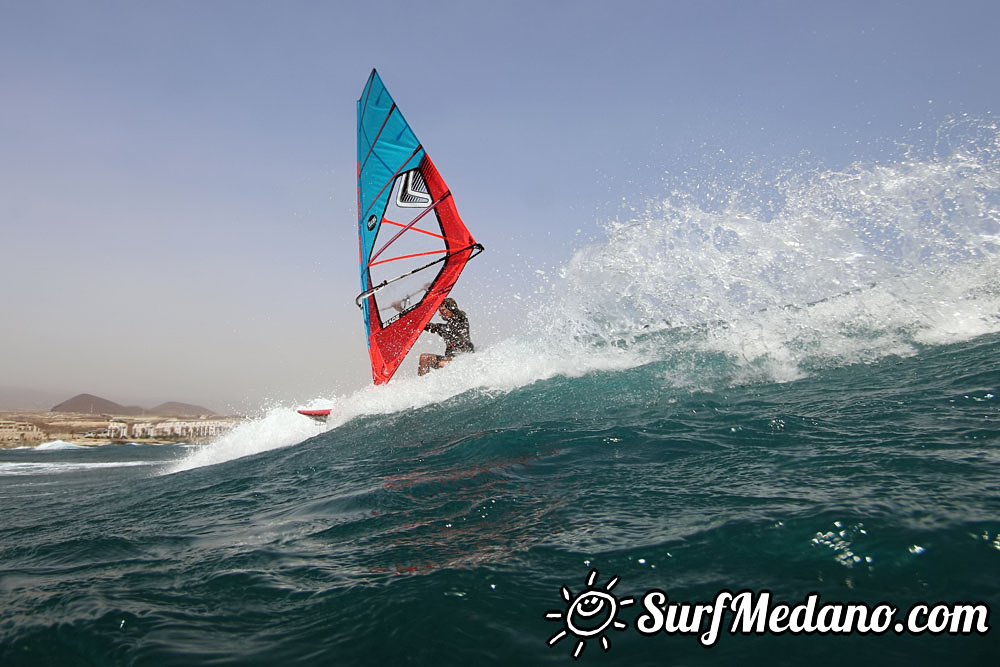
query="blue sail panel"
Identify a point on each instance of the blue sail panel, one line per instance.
(386, 148)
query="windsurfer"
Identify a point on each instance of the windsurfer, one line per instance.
(454, 331)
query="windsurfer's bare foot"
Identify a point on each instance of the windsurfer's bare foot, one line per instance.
(427, 362)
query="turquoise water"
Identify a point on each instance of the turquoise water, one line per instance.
(787, 386)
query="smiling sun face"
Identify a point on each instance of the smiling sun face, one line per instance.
(589, 614)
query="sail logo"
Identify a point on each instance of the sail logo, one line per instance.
(589, 614)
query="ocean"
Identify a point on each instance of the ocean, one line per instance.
(784, 387)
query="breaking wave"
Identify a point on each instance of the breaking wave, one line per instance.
(730, 278)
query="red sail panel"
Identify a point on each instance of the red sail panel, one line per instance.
(391, 340)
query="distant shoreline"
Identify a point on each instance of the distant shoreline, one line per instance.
(25, 428)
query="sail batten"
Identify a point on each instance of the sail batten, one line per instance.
(407, 227)
(399, 186)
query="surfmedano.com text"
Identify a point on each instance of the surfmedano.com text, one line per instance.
(754, 613)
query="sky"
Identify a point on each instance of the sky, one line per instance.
(178, 178)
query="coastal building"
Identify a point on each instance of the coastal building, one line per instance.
(169, 429)
(13, 431)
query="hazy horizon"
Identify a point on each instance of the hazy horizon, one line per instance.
(13, 399)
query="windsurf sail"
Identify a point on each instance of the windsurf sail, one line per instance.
(413, 244)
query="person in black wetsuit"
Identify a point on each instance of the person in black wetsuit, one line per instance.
(454, 330)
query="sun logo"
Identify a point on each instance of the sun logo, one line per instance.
(589, 614)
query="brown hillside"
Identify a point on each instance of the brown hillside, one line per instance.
(175, 409)
(88, 404)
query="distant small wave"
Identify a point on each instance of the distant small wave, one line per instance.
(35, 468)
(57, 445)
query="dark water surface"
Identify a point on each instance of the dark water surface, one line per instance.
(443, 535)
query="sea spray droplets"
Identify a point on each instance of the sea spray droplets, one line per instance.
(808, 269)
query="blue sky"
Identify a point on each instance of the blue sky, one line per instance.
(178, 199)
